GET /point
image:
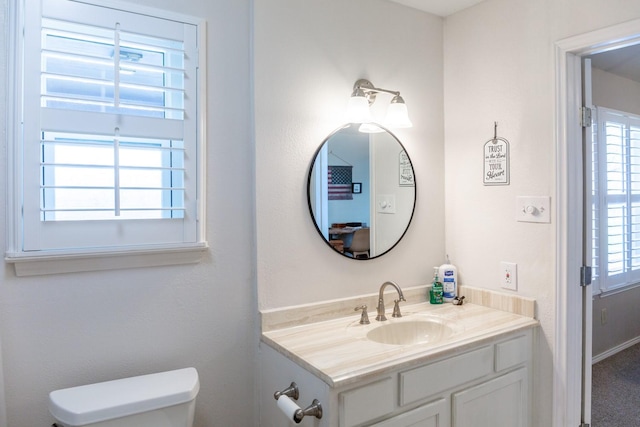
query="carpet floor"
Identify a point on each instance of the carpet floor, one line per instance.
(615, 395)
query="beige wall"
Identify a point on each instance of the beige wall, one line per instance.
(307, 57)
(615, 92)
(620, 325)
(69, 329)
(499, 66)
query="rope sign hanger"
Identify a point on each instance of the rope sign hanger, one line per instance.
(496, 160)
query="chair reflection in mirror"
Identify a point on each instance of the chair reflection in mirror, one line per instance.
(341, 234)
(337, 244)
(359, 247)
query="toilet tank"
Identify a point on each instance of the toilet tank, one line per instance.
(165, 399)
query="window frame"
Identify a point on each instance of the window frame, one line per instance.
(605, 283)
(94, 259)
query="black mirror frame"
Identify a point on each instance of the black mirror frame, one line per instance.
(312, 215)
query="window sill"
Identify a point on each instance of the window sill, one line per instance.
(39, 264)
(617, 290)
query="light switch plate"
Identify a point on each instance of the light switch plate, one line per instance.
(386, 203)
(533, 209)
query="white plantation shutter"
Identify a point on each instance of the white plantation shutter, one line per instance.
(619, 199)
(110, 146)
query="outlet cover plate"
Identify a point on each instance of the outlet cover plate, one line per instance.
(509, 275)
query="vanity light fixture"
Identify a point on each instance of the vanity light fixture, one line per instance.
(370, 128)
(364, 95)
(397, 114)
(358, 107)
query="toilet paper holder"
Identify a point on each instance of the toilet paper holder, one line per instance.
(291, 391)
(293, 410)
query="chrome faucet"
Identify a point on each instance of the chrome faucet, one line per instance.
(396, 309)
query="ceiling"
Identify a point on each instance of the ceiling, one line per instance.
(439, 7)
(623, 62)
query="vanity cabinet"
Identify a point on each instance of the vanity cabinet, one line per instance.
(486, 383)
(432, 414)
(502, 401)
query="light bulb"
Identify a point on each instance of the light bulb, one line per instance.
(370, 128)
(397, 114)
(358, 108)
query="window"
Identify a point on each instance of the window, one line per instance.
(108, 153)
(616, 200)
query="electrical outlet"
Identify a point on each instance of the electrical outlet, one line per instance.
(603, 316)
(509, 275)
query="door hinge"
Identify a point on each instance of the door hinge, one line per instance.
(585, 276)
(585, 117)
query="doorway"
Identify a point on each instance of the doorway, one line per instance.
(572, 358)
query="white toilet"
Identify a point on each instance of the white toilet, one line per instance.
(165, 399)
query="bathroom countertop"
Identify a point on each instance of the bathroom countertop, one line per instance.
(338, 352)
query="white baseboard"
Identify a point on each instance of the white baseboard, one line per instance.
(614, 350)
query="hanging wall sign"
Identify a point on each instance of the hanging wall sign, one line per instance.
(405, 170)
(496, 160)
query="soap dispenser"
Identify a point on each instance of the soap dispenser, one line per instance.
(449, 276)
(435, 294)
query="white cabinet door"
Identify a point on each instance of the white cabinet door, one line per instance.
(502, 401)
(434, 414)
(366, 403)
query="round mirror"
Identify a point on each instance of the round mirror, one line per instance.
(361, 191)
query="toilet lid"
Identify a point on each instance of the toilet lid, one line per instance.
(93, 403)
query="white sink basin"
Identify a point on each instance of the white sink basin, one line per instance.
(409, 332)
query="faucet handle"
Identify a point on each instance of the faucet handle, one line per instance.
(364, 317)
(396, 307)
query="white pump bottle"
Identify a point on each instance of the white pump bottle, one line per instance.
(449, 277)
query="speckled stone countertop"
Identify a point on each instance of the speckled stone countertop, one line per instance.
(338, 352)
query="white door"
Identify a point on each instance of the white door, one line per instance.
(587, 294)
(319, 192)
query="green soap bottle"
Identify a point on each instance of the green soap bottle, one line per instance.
(435, 294)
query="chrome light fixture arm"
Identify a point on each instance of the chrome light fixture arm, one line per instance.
(364, 95)
(364, 87)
